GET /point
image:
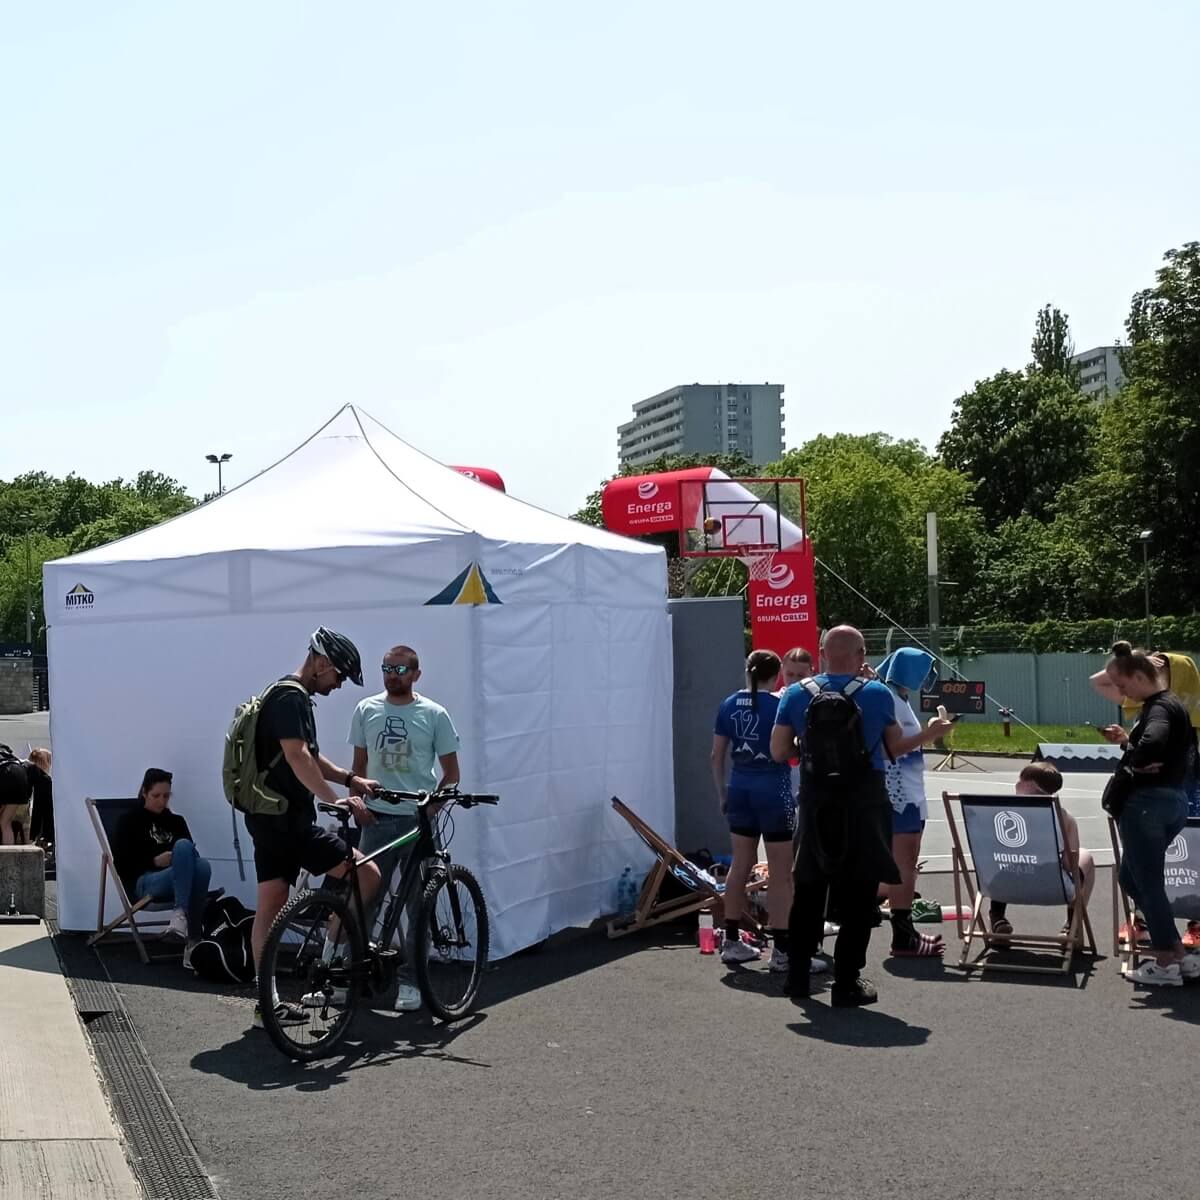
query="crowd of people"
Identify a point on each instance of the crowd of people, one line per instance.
(401, 741)
(827, 770)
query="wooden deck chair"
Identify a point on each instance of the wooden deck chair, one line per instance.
(1181, 874)
(145, 914)
(650, 910)
(1016, 845)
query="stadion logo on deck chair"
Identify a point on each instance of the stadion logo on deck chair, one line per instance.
(1177, 851)
(80, 598)
(1011, 829)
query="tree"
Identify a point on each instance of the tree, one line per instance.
(1021, 439)
(1052, 346)
(867, 500)
(44, 517)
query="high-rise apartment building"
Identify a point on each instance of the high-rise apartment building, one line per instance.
(1100, 373)
(706, 418)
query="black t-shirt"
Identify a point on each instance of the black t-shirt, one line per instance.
(1162, 734)
(141, 837)
(287, 713)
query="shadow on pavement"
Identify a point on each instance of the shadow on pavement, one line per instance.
(375, 1039)
(856, 1026)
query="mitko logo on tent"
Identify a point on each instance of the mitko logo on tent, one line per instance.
(1177, 851)
(1011, 829)
(780, 576)
(469, 586)
(80, 598)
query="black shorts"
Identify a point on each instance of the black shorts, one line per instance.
(282, 849)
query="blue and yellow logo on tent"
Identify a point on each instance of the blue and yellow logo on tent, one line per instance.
(470, 586)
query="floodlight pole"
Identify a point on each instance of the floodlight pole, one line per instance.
(931, 562)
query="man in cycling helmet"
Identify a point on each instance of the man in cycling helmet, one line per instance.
(287, 738)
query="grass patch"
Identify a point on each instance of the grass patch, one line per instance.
(984, 738)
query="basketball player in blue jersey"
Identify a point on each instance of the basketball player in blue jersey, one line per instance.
(758, 803)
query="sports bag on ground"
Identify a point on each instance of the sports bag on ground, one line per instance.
(223, 954)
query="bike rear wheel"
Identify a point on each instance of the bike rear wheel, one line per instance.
(451, 943)
(311, 976)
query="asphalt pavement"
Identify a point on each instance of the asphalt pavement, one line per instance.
(600, 1069)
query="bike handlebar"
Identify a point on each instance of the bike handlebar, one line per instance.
(447, 795)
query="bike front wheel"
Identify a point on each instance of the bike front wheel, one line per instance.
(311, 975)
(451, 944)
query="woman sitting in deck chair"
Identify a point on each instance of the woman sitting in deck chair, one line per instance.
(155, 856)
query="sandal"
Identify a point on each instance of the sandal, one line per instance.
(1191, 936)
(923, 945)
(1139, 929)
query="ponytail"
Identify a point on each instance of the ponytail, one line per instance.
(761, 667)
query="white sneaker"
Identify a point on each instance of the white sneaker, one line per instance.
(779, 961)
(831, 930)
(1151, 974)
(818, 966)
(408, 998)
(178, 926)
(737, 951)
(318, 999)
(1189, 966)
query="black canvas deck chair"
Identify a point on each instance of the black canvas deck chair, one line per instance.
(1181, 874)
(134, 919)
(1015, 845)
(701, 891)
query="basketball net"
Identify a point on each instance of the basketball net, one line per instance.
(758, 566)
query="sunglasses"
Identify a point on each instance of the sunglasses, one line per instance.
(387, 669)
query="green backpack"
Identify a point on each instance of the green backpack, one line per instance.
(245, 785)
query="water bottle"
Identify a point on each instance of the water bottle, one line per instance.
(708, 936)
(627, 892)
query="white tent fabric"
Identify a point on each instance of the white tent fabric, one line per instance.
(548, 641)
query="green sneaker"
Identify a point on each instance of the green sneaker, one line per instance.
(928, 912)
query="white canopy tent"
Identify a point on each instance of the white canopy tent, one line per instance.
(546, 639)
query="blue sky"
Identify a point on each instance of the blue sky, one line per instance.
(495, 227)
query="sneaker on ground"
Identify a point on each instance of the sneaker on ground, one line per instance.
(285, 1014)
(1189, 966)
(780, 961)
(408, 998)
(178, 926)
(818, 966)
(336, 997)
(852, 995)
(1151, 974)
(738, 952)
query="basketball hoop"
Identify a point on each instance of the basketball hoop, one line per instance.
(758, 566)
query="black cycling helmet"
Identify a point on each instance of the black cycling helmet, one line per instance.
(340, 651)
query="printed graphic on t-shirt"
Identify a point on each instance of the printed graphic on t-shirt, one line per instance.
(392, 744)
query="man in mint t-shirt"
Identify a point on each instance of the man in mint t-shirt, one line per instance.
(400, 739)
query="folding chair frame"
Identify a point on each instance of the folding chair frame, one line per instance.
(649, 909)
(1067, 944)
(1130, 953)
(129, 911)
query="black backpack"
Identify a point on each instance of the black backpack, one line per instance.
(832, 747)
(223, 954)
(14, 780)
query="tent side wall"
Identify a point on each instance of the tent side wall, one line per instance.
(559, 704)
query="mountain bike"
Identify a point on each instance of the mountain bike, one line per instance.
(319, 962)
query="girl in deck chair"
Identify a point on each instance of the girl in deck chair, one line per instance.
(1042, 779)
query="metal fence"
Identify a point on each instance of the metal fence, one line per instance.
(1041, 689)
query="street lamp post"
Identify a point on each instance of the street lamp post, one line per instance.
(220, 461)
(1144, 537)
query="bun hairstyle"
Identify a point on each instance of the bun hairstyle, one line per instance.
(1129, 661)
(761, 667)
